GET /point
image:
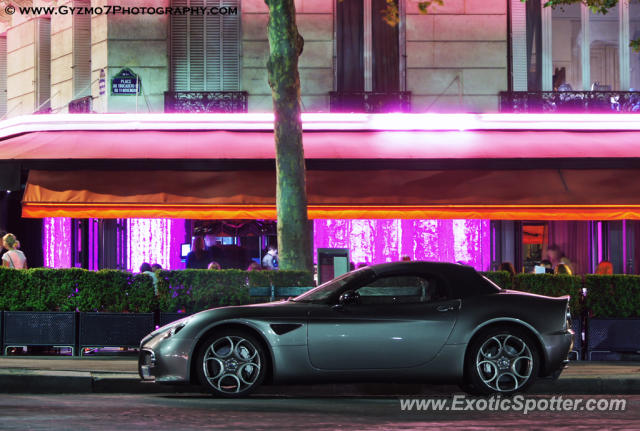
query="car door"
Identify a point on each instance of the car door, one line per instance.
(399, 321)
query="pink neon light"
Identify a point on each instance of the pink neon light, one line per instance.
(56, 242)
(155, 241)
(320, 121)
(148, 240)
(380, 145)
(379, 241)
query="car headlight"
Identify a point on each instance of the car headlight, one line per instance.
(172, 328)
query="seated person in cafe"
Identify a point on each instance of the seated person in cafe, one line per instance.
(198, 257)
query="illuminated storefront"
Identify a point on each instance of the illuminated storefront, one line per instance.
(426, 186)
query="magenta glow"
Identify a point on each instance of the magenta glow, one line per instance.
(380, 241)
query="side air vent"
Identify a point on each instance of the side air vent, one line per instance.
(283, 328)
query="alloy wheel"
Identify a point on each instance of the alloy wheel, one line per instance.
(232, 364)
(504, 363)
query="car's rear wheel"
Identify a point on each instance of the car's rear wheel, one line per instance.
(231, 363)
(502, 360)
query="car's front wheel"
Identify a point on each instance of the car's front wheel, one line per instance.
(231, 363)
(502, 360)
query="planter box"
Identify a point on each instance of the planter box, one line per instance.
(576, 326)
(114, 329)
(610, 339)
(39, 328)
(166, 318)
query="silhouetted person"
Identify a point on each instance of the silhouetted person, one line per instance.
(604, 268)
(198, 257)
(507, 266)
(13, 258)
(270, 260)
(561, 268)
(556, 256)
(254, 266)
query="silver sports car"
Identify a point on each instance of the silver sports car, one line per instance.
(405, 321)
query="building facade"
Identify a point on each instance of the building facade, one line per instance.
(452, 59)
(477, 56)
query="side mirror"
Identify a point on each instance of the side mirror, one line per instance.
(349, 297)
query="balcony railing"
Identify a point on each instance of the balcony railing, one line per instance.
(80, 106)
(370, 102)
(570, 101)
(205, 101)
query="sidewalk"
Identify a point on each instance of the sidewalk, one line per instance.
(116, 375)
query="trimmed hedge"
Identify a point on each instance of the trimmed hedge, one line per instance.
(194, 290)
(553, 285)
(45, 289)
(501, 278)
(613, 295)
(543, 284)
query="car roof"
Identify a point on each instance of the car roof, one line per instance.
(464, 280)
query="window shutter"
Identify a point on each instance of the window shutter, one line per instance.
(205, 49)
(43, 81)
(230, 37)
(196, 48)
(3, 76)
(179, 49)
(214, 37)
(519, 45)
(81, 51)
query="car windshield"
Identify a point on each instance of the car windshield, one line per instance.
(328, 289)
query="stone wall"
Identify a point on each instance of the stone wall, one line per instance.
(315, 23)
(21, 68)
(457, 55)
(61, 60)
(137, 42)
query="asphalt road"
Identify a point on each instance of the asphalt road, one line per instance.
(185, 412)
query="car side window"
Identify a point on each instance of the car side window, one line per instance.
(402, 289)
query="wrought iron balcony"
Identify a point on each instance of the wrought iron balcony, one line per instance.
(80, 106)
(205, 101)
(370, 102)
(570, 101)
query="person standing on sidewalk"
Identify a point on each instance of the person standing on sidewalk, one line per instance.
(13, 258)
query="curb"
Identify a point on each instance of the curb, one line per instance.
(58, 382)
(44, 382)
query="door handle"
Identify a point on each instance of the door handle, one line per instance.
(445, 308)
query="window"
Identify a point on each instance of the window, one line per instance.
(402, 289)
(566, 47)
(634, 33)
(572, 47)
(81, 51)
(43, 67)
(604, 60)
(369, 50)
(3, 76)
(205, 49)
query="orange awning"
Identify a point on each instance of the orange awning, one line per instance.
(541, 194)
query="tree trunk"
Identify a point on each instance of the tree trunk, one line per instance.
(291, 195)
